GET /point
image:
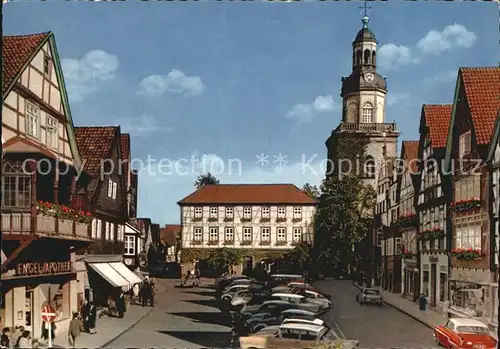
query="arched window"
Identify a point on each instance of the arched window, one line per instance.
(374, 56)
(366, 58)
(369, 167)
(358, 57)
(367, 115)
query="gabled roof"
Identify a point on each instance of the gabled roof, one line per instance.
(482, 96)
(170, 233)
(95, 144)
(248, 194)
(125, 146)
(18, 52)
(409, 152)
(437, 118)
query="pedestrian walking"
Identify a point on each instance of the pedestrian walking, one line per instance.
(146, 291)
(45, 330)
(422, 302)
(24, 341)
(5, 339)
(85, 314)
(18, 332)
(120, 305)
(74, 329)
(92, 318)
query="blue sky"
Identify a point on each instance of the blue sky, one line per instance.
(225, 81)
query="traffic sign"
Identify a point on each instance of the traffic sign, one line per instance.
(48, 314)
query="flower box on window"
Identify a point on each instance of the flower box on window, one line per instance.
(281, 243)
(246, 242)
(465, 205)
(228, 242)
(467, 254)
(296, 220)
(265, 220)
(431, 234)
(246, 220)
(197, 219)
(196, 242)
(213, 242)
(265, 242)
(406, 254)
(228, 219)
(212, 219)
(65, 226)
(408, 220)
(280, 220)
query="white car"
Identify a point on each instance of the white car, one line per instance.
(317, 297)
(301, 302)
(232, 291)
(304, 321)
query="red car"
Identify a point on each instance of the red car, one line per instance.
(464, 333)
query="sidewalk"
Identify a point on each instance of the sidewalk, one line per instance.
(108, 329)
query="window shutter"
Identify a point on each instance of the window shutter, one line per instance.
(94, 228)
(99, 228)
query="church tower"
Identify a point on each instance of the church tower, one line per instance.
(363, 95)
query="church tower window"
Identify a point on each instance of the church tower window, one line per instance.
(366, 57)
(374, 54)
(367, 115)
(358, 57)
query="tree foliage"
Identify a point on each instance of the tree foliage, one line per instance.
(222, 259)
(205, 179)
(349, 152)
(311, 190)
(300, 257)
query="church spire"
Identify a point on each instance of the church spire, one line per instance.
(365, 18)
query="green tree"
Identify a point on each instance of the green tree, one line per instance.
(311, 190)
(205, 179)
(300, 257)
(222, 259)
(349, 153)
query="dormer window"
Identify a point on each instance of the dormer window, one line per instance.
(367, 113)
(465, 144)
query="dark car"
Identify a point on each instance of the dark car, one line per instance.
(165, 270)
(273, 307)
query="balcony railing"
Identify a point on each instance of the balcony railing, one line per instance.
(371, 127)
(20, 223)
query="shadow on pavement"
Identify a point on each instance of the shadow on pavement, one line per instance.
(212, 303)
(202, 293)
(208, 339)
(210, 287)
(206, 317)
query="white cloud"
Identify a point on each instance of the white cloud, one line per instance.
(175, 82)
(446, 76)
(143, 125)
(397, 98)
(392, 56)
(454, 35)
(303, 113)
(83, 75)
(159, 193)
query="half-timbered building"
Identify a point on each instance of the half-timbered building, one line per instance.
(431, 204)
(40, 231)
(473, 117)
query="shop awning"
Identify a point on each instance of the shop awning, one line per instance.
(126, 273)
(109, 274)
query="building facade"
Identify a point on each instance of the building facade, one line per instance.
(261, 220)
(40, 232)
(471, 127)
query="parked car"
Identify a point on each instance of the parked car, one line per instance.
(295, 284)
(232, 290)
(167, 270)
(283, 279)
(261, 320)
(314, 297)
(294, 335)
(301, 302)
(252, 296)
(272, 307)
(464, 333)
(369, 295)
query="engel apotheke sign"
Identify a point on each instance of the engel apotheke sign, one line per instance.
(43, 268)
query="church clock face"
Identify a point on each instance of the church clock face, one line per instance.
(369, 77)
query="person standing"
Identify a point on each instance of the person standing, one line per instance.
(120, 305)
(146, 291)
(5, 339)
(422, 302)
(92, 317)
(18, 332)
(85, 314)
(24, 341)
(74, 329)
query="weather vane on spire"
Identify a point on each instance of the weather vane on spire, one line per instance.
(365, 18)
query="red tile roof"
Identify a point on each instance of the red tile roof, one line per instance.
(411, 154)
(170, 233)
(248, 194)
(94, 144)
(125, 147)
(482, 88)
(437, 117)
(16, 52)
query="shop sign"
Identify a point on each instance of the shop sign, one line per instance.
(433, 259)
(43, 268)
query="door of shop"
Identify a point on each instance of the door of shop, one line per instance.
(433, 284)
(29, 310)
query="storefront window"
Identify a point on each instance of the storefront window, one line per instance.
(425, 286)
(468, 298)
(442, 286)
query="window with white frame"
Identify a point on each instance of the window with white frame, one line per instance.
(51, 133)
(111, 231)
(120, 232)
(367, 113)
(297, 212)
(229, 234)
(198, 234)
(266, 212)
(16, 186)
(281, 234)
(213, 234)
(93, 233)
(468, 188)
(214, 212)
(229, 212)
(464, 143)
(297, 234)
(32, 120)
(281, 212)
(112, 187)
(106, 230)
(130, 245)
(99, 229)
(398, 246)
(468, 235)
(198, 212)
(265, 234)
(247, 234)
(247, 212)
